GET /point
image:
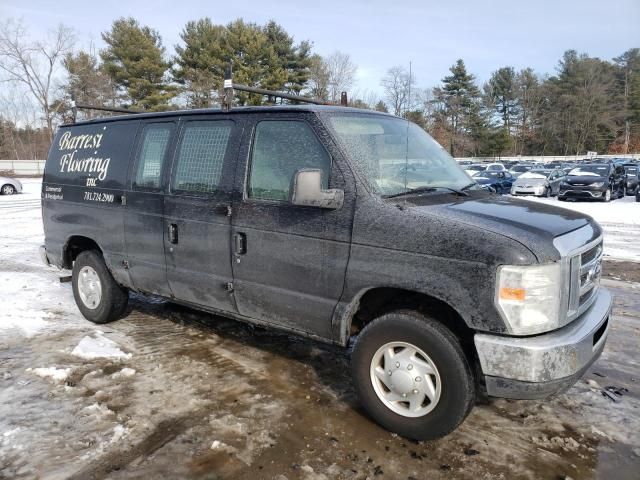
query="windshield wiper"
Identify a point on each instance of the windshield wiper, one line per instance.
(467, 187)
(425, 189)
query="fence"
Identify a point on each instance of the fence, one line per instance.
(23, 167)
(545, 158)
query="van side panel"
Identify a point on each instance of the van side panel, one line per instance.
(83, 187)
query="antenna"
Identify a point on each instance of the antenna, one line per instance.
(406, 158)
(409, 93)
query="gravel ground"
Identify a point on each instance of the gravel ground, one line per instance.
(169, 392)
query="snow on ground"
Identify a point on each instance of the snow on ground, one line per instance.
(169, 392)
(99, 346)
(620, 220)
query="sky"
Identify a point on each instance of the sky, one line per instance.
(378, 34)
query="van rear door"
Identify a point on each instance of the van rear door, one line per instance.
(197, 223)
(143, 225)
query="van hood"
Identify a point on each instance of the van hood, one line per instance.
(531, 223)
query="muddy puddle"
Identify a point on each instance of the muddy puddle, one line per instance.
(191, 395)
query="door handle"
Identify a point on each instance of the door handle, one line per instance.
(173, 233)
(240, 243)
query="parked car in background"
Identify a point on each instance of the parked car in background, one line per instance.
(498, 182)
(538, 182)
(495, 167)
(9, 186)
(476, 167)
(597, 181)
(553, 165)
(520, 168)
(631, 171)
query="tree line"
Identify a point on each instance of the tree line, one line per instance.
(589, 104)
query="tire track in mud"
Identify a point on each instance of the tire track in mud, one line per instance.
(163, 433)
(151, 336)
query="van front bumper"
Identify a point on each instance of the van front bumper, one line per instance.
(541, 365)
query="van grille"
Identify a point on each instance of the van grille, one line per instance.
(586, 270)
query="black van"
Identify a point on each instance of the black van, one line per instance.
(338, 224)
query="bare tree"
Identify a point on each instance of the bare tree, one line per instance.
(318, 78)
(34, 64)
(342, 74)
(330, 76)
(397, 86)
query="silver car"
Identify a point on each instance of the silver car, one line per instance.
(9, 186)
(538, 182)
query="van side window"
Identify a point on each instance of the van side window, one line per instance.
(201, 156)
(155, 138)
(280, 148)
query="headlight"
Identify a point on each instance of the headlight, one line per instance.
(528, 297)
(597, 184)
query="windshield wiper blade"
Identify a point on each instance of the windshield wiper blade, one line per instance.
(425, 189)
(468, 186)
(410, 192)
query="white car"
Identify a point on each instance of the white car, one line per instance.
(495, 167)
(9, 186)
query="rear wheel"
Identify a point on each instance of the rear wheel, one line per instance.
(8, 189)
(98, 296)
(412, 376)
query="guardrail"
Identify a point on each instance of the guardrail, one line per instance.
(23, 167)
(544, 158)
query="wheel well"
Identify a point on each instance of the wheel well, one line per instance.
(75, 245)
(378, 301)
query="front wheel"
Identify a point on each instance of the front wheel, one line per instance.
(412, 376)
(607, 195)
(547, 192)
(8, 189)
(98, 296)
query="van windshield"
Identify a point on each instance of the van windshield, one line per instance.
(396, 156)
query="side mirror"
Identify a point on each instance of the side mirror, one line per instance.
(307, 191)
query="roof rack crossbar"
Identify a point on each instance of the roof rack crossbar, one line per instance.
(229, 87)
(106, 109)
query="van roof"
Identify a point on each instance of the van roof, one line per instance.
(200, 111)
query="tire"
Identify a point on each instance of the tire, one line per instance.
(561, 199)
(99, 298)
(547, 192)
(8, 189)
(607, 195)
(455, 395)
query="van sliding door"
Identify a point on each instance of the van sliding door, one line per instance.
(197, 227)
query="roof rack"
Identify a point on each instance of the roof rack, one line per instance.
(227, 98)
(75, 106)
(229, 87)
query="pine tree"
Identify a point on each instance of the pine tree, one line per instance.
(134, 59)
(501, 95)
(458, 95)
(87, 83)
(200, 62)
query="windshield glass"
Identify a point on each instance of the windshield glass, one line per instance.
(487, 174)
(631, 170)
(394, 155)
(521, 168)
(590, 171)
